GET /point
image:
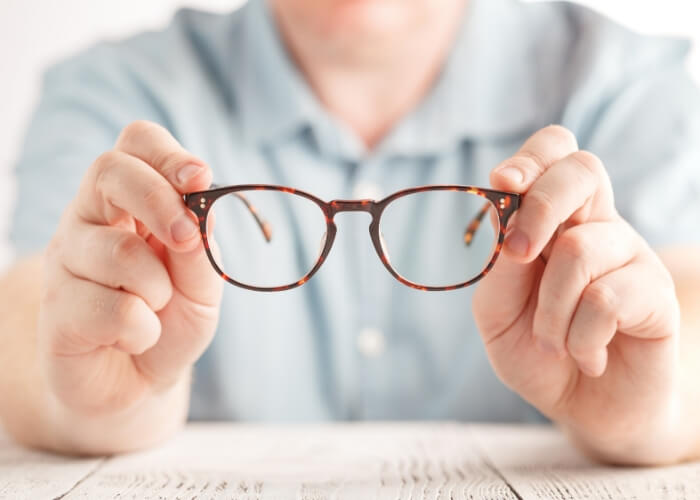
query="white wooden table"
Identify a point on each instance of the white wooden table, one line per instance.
(344, 461)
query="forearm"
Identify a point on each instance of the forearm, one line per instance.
(32, 414)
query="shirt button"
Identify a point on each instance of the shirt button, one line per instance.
(367, 191)
(370, 342)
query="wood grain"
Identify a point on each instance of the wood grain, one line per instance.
(361, 461)
(540, 463)
(344, 461)
(26, 474)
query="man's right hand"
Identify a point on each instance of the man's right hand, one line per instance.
(129, 300)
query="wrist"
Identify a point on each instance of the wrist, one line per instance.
(644, 439)
(152, 420)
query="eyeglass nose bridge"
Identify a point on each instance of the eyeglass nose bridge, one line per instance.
(337, 206)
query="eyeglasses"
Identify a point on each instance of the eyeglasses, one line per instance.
(275, 238)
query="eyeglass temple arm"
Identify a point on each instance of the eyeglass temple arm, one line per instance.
(473, 226)
(264, 226)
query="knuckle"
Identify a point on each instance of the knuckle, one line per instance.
(578, 348)
(54, 324)
(161, 294)
(660, 320)
(49, 293)
(200, 313)
(528, 162)
(601, 298)
(588, 161)
(543, 331)
(105, 176)
(562, 135)
(541, 203)
(594, 174)
(55, 335)
(126, 249)
(126, 309)
(107, 158)
(669, 293)
(573, 245)
(667, 315)
(135, 130)
(104, 167)
(674, 315)
(155, 198)
(53, 264)
(201, 319)
(53, 249)
(170, 161)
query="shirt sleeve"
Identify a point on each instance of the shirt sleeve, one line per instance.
(648, 135)
(85, 102)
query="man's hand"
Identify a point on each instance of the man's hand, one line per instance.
(579, 315)
(129, 301)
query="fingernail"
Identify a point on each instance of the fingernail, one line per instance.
(188, 172)
(183, 228)
(513, 174)
(517, 242)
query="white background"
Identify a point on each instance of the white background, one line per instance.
(34, 33)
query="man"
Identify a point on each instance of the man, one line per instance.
(358, 99)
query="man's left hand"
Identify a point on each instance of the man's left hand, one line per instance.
(579, 315)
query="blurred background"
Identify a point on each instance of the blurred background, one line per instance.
(36, 33)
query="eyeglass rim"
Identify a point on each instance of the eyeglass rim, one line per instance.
(505, 203)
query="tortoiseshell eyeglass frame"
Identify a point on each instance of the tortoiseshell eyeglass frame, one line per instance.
(504, 202)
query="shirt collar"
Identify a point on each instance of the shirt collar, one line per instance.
(485, 90)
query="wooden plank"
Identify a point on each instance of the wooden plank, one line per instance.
(26, 474)
(346, 461)
(540, 463)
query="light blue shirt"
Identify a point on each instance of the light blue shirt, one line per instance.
(353, 343)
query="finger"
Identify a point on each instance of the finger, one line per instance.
(190, 318)
(84, 316)
(537, 154)
(576, 187)
(193, 276)
(119, 259)
(636, 300)
(516, 174)
(154, 145)
(580, 255)
(118, 186)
